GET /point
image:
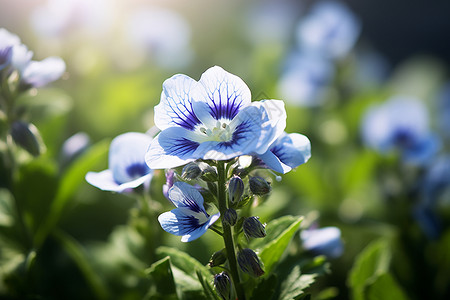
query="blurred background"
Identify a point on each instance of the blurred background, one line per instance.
(330, 61)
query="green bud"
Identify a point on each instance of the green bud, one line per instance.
(191, 171)
(218, 258)
(235, 189)
(209, 173)
(230, 217)
(259, 186)
(223, 285)
(27, 136)
(249, 262)
(253, 228)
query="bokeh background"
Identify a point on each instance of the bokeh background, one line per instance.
(119, 52)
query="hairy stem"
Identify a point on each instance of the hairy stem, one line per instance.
(227, 234)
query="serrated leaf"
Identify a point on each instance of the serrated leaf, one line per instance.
(163, 284)
(279, 234)
(295, 284)
(71, 180)
(372, 262)
(265, 288)
(385, 287)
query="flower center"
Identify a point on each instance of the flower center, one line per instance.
(220, 133)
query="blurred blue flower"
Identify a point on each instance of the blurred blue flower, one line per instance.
(287, 152)
(330, 29)
(400, 123)
(323, 241)
(444, 110)
(12, 51)
(40, 73)
(305, 80)
(127, 167)
(189, 220)
(160, 34)
(213, 118)
(435, 189)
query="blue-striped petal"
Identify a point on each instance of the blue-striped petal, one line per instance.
(183, 194)
(224, 94)
(175, 107)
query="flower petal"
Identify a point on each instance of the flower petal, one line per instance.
(105, 181)
(223, 93)
(201, 230)
(175, 108)
(126, 156)
(287, 152)
(183, 194)
(171, 148)
(39, 73)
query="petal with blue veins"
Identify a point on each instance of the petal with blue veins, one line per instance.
(183, 194)
(225, 96)
(175, 107)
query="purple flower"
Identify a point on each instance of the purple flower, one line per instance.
(402, 124)
(127, 167)
(213, 118)
(189, 219)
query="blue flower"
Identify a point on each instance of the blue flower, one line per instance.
(213, 118)
(127, 167)
(402, 124)
(189, 219)
(40, 73)
(330, 29)
(323, 241)
(287, 152)
(7, 43)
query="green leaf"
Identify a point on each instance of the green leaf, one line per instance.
(372, 262)
(162, 283)
(7, 210)
(279, 234)
(295, 284)
(385, 287)
(209, 291)
(79, 256)
(184, 261)
(265, 288)
(71, 180)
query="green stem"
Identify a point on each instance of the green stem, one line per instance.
(227, 234)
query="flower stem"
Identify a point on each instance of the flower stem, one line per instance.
(227, 234)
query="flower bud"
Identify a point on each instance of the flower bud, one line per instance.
(27, 136)
(209, 173)
(249, 262)
(235, 189)
(191, 171)
(230, 217)
(218, 258)
(254, 228)
(259, 186)
(223, 285)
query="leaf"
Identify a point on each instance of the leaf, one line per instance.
(209, 291)
(7, 210)
(295, 284)
(372, 262)
(71, 180)
(77, 253)
(162, 281)
(279, 234)
(265, 288)
(385, 287)
(184, 261)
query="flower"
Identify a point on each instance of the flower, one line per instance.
(287, 152)
(323, 241)
(40, 73)
(330, 29)
(249, 262)
(213, 118)
(400, 123)
(127, 168)
(189, 219)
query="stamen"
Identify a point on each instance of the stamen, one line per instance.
(203, 130)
